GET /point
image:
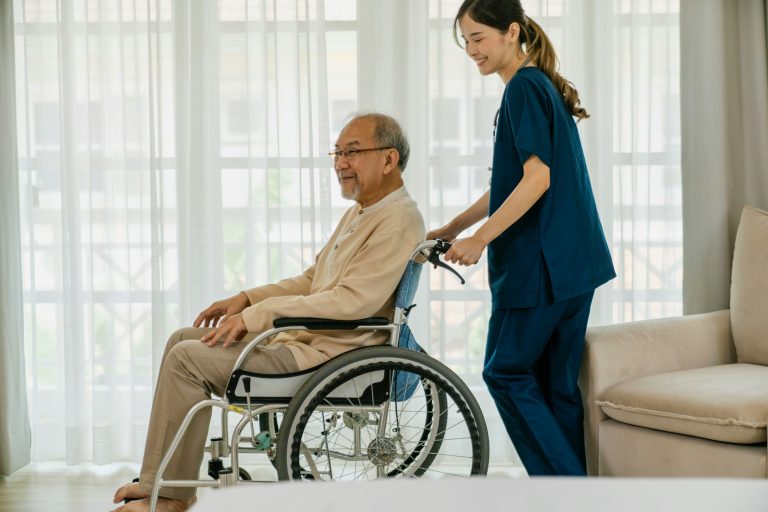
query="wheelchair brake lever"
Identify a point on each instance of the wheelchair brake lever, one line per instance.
(442, 247)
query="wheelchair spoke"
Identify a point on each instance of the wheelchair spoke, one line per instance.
(446, 473)
(387, 417)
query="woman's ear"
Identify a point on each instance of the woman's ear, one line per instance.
(514, 31)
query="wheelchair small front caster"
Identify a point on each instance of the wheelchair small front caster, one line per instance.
(244, 475)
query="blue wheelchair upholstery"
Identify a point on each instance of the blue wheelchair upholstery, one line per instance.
(406, 291)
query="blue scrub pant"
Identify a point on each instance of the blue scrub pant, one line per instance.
(532, 363)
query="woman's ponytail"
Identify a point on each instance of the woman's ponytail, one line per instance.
(541, 52)
(500, 14)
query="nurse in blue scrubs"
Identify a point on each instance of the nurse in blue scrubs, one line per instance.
(546, 248)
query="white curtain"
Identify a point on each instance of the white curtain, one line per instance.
(173, 152)
(170, 153)
(15, 432)
(724, 79)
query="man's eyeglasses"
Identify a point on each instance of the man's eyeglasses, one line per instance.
(351, 153)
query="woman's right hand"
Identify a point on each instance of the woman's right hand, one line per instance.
(446, 233)
(221, 310)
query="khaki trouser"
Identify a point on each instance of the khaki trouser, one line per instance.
(189, 372)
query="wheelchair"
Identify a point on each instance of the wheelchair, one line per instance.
(386, 411)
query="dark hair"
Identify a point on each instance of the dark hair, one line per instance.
(500, 14)
(388, 134)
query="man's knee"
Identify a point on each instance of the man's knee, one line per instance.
(183, 357)
(187, 349)
(185, 333)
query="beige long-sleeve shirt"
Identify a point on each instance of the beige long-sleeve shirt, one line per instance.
(355, 275)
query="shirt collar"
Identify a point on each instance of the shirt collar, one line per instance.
(384, 201)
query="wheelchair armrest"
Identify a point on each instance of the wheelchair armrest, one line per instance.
(324, 324)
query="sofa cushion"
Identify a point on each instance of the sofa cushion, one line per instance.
(724, 403)
(749, 288)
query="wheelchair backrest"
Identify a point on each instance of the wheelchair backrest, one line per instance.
(406, 384)
(406, 289)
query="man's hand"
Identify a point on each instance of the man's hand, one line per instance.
(465, 251)
(231, 330)
(221, 310)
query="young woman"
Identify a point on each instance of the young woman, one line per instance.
(546, 248)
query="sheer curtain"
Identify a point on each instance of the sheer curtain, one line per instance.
(174, 152)
(170, 153)
(15, 433)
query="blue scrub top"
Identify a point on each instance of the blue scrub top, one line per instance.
(557, 250)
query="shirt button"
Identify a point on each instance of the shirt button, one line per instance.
(335, 247)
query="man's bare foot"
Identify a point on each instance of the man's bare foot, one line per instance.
(163, 505)
(129, 491)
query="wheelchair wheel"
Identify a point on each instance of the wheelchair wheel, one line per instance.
(381, 412)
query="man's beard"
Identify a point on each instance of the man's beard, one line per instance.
(353, 194)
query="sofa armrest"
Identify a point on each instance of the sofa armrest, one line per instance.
(615, 353)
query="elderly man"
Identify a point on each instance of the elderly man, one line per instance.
(354, 276)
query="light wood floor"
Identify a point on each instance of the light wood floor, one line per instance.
(54, 487)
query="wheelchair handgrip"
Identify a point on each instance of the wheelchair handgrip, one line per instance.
(434, 258)
(326, 324)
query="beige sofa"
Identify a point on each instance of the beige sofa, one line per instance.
(686, 396)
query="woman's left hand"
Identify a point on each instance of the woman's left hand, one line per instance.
(465, 251)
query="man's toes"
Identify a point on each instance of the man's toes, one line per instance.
(128, 491)
(134, 506)
(163, 505)
(120, 494)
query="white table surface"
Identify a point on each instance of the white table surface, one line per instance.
(481, 494)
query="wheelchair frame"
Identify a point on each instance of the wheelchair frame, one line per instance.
(386, 356)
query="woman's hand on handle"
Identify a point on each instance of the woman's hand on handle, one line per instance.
(462, 221)
(444, 233)
(221, 310)
(465, 251)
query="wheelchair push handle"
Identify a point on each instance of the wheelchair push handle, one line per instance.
(441, 247)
